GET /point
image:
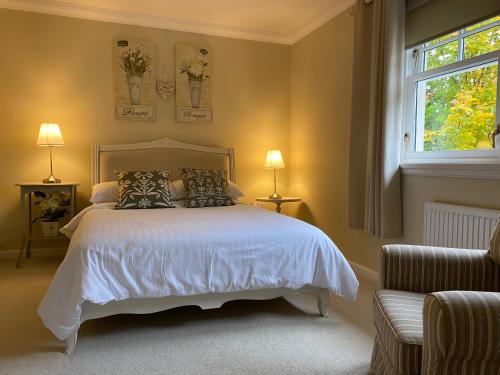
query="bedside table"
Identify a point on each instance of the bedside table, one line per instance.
(278, 201)
(26, 191)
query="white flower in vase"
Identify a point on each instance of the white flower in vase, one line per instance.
(196, 70)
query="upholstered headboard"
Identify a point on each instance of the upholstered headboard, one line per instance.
(164, 153)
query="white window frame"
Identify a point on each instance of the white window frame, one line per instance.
(441, 162)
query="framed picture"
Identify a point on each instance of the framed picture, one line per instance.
(135, 82)
(193, 82)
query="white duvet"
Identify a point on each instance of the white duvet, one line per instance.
(115, 255)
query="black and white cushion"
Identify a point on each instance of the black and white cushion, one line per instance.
(206, 187)
(143, 189)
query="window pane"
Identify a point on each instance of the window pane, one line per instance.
(457, 111)
(442, 55)
(483, 42)
(486, 22)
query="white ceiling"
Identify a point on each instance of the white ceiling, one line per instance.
(278, 21)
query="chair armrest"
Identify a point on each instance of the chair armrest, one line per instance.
(425, 269)
(461, 333)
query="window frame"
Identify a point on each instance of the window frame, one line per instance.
(414, 73)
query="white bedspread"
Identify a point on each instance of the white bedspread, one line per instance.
(120, 254)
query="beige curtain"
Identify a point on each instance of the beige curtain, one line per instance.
(374, 200)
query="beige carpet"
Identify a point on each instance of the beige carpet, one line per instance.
(243, 337)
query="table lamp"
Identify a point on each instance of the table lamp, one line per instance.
(50, 135)
(274, 161)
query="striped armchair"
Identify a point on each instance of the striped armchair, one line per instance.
(437, 312)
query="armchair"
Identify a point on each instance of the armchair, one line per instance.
(437, 312)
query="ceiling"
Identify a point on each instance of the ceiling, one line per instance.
(276, 21)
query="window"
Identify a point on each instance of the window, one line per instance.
(452, 101)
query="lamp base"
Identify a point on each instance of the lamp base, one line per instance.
(51, 180)
(275, 196)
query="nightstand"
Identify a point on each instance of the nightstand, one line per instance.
(26, 191)
(278, 201)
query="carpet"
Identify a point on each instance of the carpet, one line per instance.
(243, 337)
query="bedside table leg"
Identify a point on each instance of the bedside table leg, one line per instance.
(278, 207)
(21, 251)
(28, 249)
(23, 227)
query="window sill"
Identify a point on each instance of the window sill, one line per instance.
(489, 170)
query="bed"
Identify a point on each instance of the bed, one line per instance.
(145, 261)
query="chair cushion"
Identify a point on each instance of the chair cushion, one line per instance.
(399, 323)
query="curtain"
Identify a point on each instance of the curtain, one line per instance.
(374, 199)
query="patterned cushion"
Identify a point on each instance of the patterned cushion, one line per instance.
(399, 323)
(494, 249)
(143, 189)
(206, 187)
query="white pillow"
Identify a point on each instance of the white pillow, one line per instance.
(105, 192)
(108, 191)
(177, 190)
(235, 191)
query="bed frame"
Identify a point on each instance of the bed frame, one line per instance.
(171, 154)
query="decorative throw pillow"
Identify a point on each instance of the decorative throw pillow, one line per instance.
(143, 189)
(177, 190)
(206, 187)
(494, 249)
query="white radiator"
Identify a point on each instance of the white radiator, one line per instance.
(458, 226)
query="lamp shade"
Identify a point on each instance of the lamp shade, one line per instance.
(274, 159)
(49, 135)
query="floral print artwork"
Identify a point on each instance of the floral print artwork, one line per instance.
(143, 189)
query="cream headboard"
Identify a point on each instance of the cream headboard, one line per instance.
(164, 153)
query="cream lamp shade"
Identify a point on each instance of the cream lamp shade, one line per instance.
(49, 135)
(274, 160)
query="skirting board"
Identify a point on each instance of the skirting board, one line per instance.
(365, 273)
(55, 251)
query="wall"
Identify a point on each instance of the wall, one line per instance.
(265, 96)
(59, 69)
(320, 107)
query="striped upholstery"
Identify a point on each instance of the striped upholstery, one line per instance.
(398, 319)
(494, 249)
(425, 269)
(381, 362)
(462, 333)
(460, 320)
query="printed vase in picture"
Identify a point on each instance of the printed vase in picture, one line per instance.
(134, 89)
(50, 228)
(195, 92)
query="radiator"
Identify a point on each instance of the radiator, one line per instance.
(458, 226)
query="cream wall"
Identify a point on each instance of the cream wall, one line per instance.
(59, 69)
(320, 107)
(266, 96)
